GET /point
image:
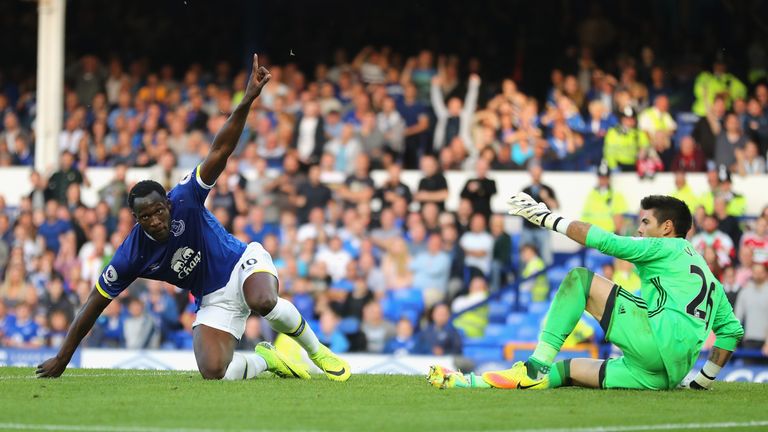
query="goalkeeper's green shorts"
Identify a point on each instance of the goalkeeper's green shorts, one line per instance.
(626, 325)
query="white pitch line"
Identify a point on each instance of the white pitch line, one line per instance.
(656, 427)
(115, 375)
(633, 428)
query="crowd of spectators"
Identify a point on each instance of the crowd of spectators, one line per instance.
(300, 183)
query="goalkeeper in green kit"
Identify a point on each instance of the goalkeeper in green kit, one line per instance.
(660, 333)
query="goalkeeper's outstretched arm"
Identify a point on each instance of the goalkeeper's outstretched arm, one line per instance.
(538, 213)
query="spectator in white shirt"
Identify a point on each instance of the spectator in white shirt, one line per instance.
(478, 247)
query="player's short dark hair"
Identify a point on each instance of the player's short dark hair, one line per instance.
(144, 188)
(669, 208)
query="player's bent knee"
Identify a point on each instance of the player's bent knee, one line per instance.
(212, 373)
(260, 291)
(578, 278)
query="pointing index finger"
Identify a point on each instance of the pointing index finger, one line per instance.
(255, 62)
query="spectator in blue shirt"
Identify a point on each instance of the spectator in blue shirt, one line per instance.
(416, 124)
(329, 333)
(431, 268)
(53, 226)
(440, 337)
(24, 332)
(403, 342)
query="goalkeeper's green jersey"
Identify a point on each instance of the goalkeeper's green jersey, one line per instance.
(685, 300)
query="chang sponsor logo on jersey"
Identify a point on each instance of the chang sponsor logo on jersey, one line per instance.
(184, 261)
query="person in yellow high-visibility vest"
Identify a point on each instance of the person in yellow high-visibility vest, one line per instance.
(684, 192)
(658, 124)
(720, 185)
(624, 142)
(604, 206)
(710, 84)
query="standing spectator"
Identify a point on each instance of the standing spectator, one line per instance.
(604, 206)
(478, 247)
(757, 240)
(440, 337)
(416, 125)
(502, 252)
(599, 121)
(751, 304)
(377, 330)
(392, 126)
(431, 268)
(624, 143)
(689, 157)
(480, 190)
(659, 125)
(755, 123)
(707, 129)
(531, 233)
(67, 174)
(712, 237)
(312, 194)
(432, 187)
(455, 118)
(725, 222)
(729, 145)
(309, 134)
(403, 343)
(709, 85)
(115, 193)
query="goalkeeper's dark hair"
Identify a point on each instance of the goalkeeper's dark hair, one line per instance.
(669, 208)
(144, 188)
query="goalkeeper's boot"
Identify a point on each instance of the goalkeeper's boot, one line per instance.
(279, 364)
(515, 377)
(334, 367)
(444, 378)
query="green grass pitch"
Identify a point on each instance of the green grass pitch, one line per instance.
(149, 401)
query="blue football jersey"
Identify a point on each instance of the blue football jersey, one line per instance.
(199, 255)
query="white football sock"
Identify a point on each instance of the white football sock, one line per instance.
(245, 366)
(285, 318)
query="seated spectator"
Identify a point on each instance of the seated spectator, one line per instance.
(24, 332)
(755, 124)
(316, 228)
(335, 258)
(56, 299)
(480, 189)
(139, 329)
(396, 265)
(329, 333)
(563, 145)
(757, 240)
(751, 162)
(477, 244)
(15, 290)
(162, 308)
(709, 85)
(254, 333)
(730, 143)
(53, 226)
(743, 271)
(712, 237)
(727, 223)
(472, 322)
(532, 264)
(309, 134)
(393, 189)
(58, 323)
(431, 268)
(312, 194)
(689, 157)
(358, 187)
(659, 125)
(377, 330)
(751, 304)
(440, 337)
(345, 149)
(684, 192)
(403, 342)
(108, 330)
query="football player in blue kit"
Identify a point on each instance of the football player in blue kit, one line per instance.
(177, 240)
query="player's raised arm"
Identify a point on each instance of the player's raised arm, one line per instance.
(227, 137)
(54, 366)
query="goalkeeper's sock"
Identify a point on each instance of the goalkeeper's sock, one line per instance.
(560, 374)
(285, 318)
(566, 310)
(476, 381)
(245, 366)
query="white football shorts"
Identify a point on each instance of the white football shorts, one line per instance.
(225, 309)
